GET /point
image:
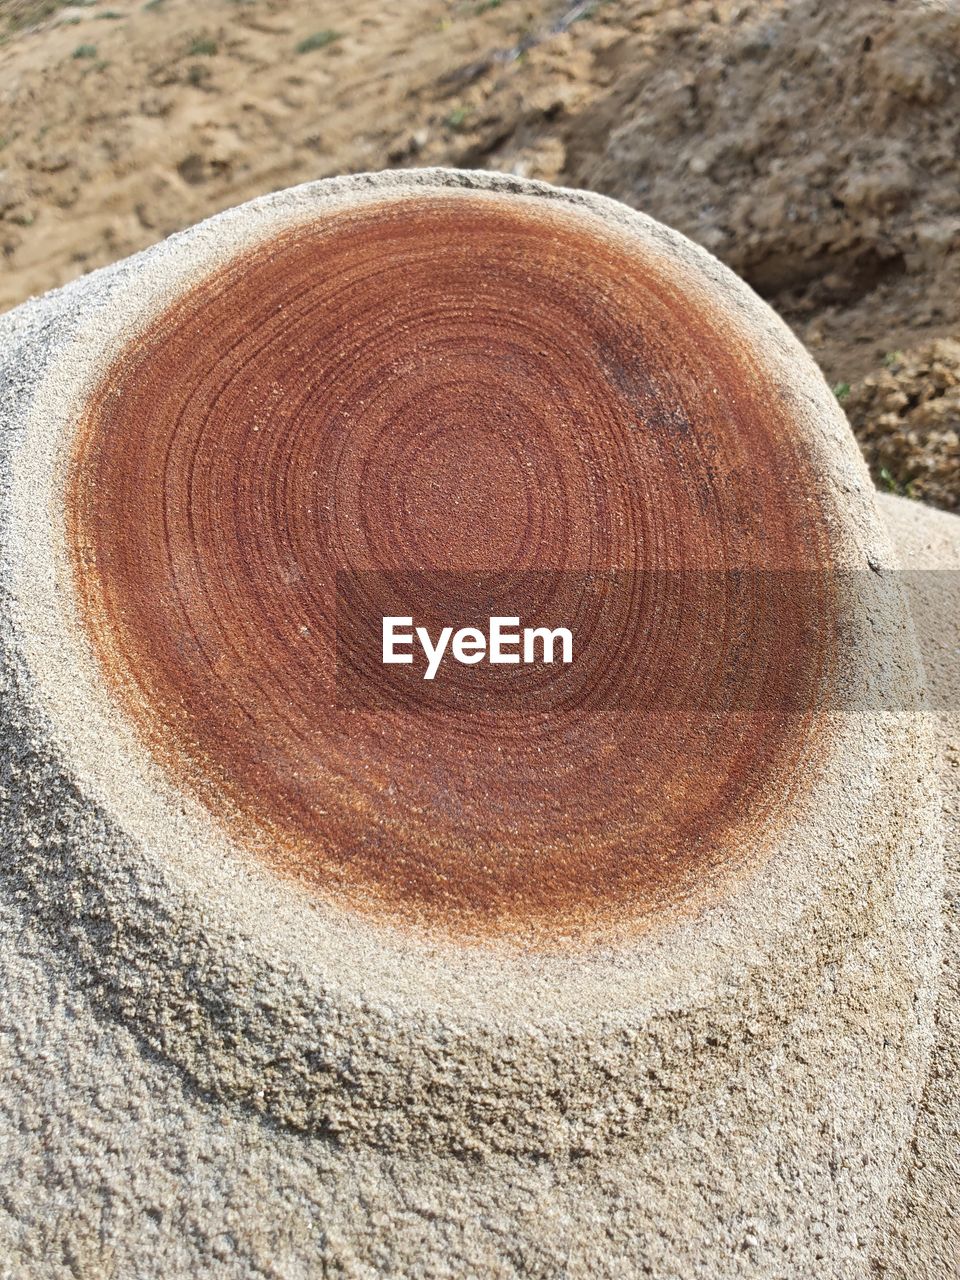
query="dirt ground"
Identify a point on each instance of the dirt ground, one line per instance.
(812, 145)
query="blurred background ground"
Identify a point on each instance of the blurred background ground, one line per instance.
(810, 144)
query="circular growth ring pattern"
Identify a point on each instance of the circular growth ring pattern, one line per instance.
(451, 386)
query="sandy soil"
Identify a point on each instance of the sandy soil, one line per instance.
(810, 145)
(119, 125)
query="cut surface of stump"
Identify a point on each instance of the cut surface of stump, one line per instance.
(429, 404)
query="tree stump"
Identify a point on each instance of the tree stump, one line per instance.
(677, 895)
